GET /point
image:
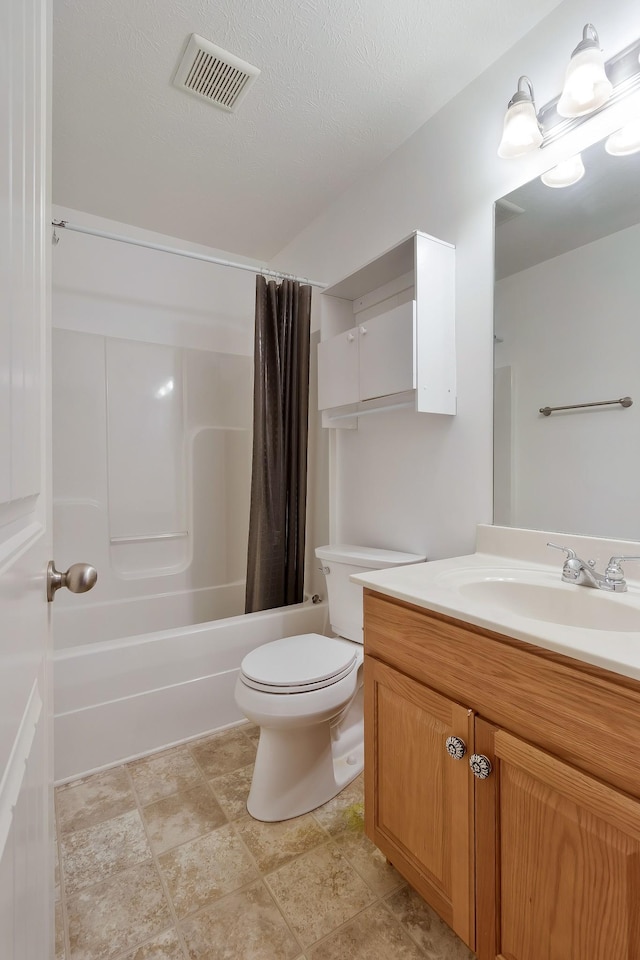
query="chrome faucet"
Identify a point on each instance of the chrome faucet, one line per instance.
(575, 570)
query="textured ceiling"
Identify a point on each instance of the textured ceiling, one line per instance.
(343, 83)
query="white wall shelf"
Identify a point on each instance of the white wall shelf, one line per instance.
(388, 335)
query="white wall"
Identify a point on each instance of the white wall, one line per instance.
(572, 336)
(416, 482)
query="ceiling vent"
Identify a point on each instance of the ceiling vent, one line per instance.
(506, 210)
(213, 74)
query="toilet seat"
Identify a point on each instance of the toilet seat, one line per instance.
(298, 664)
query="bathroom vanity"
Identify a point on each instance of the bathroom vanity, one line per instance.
(533, 850)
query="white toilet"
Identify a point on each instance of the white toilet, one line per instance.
(306, 695)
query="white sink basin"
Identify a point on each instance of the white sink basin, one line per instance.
(561, 603)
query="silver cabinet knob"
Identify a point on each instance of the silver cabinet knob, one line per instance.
(79, 578)
(456, 747)
(480, 766)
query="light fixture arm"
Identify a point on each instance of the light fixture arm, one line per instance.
(588, 41)
(520, 96)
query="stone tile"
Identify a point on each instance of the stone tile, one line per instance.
(232, 790)
(273, 844)
(318, 892)
(60, 951)
(433, 936)
(373, 935)
(162, 774)
(86, 802)
(252, 730)
(117, 914)
(345, 813)
(203, 870)
(370, 863)
(223, 752)
(165, 947)
(243, 926)
(95, 853)
(182, 816)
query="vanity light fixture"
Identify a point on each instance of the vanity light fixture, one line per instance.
(586, 85)
(565, 174)
(521, 132)
(591, 85)
(624, 141)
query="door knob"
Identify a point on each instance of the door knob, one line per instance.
(79, 578)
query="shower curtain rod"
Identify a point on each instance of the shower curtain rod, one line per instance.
(76, 228)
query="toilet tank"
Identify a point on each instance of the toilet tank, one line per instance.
(339, 562)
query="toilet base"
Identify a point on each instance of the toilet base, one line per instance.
(298, 770)
(281, 791)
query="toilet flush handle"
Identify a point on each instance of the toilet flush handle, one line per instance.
(324, 570)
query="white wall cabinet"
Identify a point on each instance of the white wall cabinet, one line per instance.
(374, 359)
(388, 335)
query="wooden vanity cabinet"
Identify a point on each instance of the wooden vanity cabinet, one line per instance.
(540, 860)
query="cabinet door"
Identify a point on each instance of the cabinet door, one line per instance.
(558, 859)
(338, 370)
(418, 799)
(387, 353)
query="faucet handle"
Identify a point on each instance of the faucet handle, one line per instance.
(614, 571)
(571, 554)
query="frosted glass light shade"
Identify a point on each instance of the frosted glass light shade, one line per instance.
(586, 85)
(521, 132)
(564, 174)
(624, 141)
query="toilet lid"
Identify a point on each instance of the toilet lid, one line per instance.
(307, 661)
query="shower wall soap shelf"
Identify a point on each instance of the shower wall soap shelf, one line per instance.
(388, 335)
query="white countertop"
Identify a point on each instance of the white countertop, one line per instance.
(503, 554)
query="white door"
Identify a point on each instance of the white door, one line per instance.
(26, 887)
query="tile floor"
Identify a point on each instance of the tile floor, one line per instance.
(159, 860)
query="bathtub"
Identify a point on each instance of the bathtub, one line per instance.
(117, 699)
(85, 623)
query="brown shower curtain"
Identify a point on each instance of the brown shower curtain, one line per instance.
(275, 565)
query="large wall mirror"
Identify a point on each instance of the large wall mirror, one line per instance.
(567, 331)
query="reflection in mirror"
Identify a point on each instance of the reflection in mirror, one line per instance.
(567, 331)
